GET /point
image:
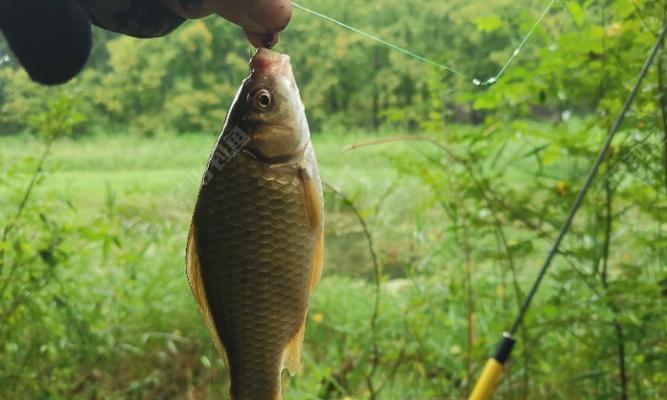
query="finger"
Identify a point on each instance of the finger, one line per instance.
(51, 39)
(272, 15)
(256, 16)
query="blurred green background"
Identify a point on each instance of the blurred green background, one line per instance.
(462, 190)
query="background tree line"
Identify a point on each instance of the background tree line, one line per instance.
(185, 81)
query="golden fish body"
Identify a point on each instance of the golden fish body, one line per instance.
(255, 246)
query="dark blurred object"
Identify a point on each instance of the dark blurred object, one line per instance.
(51, 39)
(138, 18)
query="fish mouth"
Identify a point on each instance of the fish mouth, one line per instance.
(269, 62)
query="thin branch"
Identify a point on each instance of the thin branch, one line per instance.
(470, 303)
(662, 95)
(24, 201)
(377, 275)
(620, 337)
(405, 138)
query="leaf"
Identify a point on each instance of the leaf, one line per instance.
(488, 23)
(576, 12)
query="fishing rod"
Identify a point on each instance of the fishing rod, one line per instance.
(494, 367)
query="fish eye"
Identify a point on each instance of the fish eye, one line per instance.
(261, 99)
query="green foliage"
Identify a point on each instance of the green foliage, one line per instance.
(60, 118)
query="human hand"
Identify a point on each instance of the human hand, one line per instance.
(52, 39)
(261, 20)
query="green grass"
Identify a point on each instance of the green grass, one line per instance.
(147, 172)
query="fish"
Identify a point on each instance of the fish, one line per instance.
(256, 243)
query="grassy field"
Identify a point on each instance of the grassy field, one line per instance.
(147, 172)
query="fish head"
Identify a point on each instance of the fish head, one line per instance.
(269, 110)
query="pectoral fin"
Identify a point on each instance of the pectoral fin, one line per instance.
(313, 198)
(312, 190)
(318, 262)
(197, 286)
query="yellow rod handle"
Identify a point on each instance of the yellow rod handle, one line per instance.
(487, 382)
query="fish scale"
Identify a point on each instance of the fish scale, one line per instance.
(252, 233)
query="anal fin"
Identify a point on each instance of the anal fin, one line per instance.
(292, 353)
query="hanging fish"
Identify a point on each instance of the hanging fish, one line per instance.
(255, 251)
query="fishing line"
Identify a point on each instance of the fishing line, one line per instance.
(516, 51)
(477, 82)
(377, 39)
